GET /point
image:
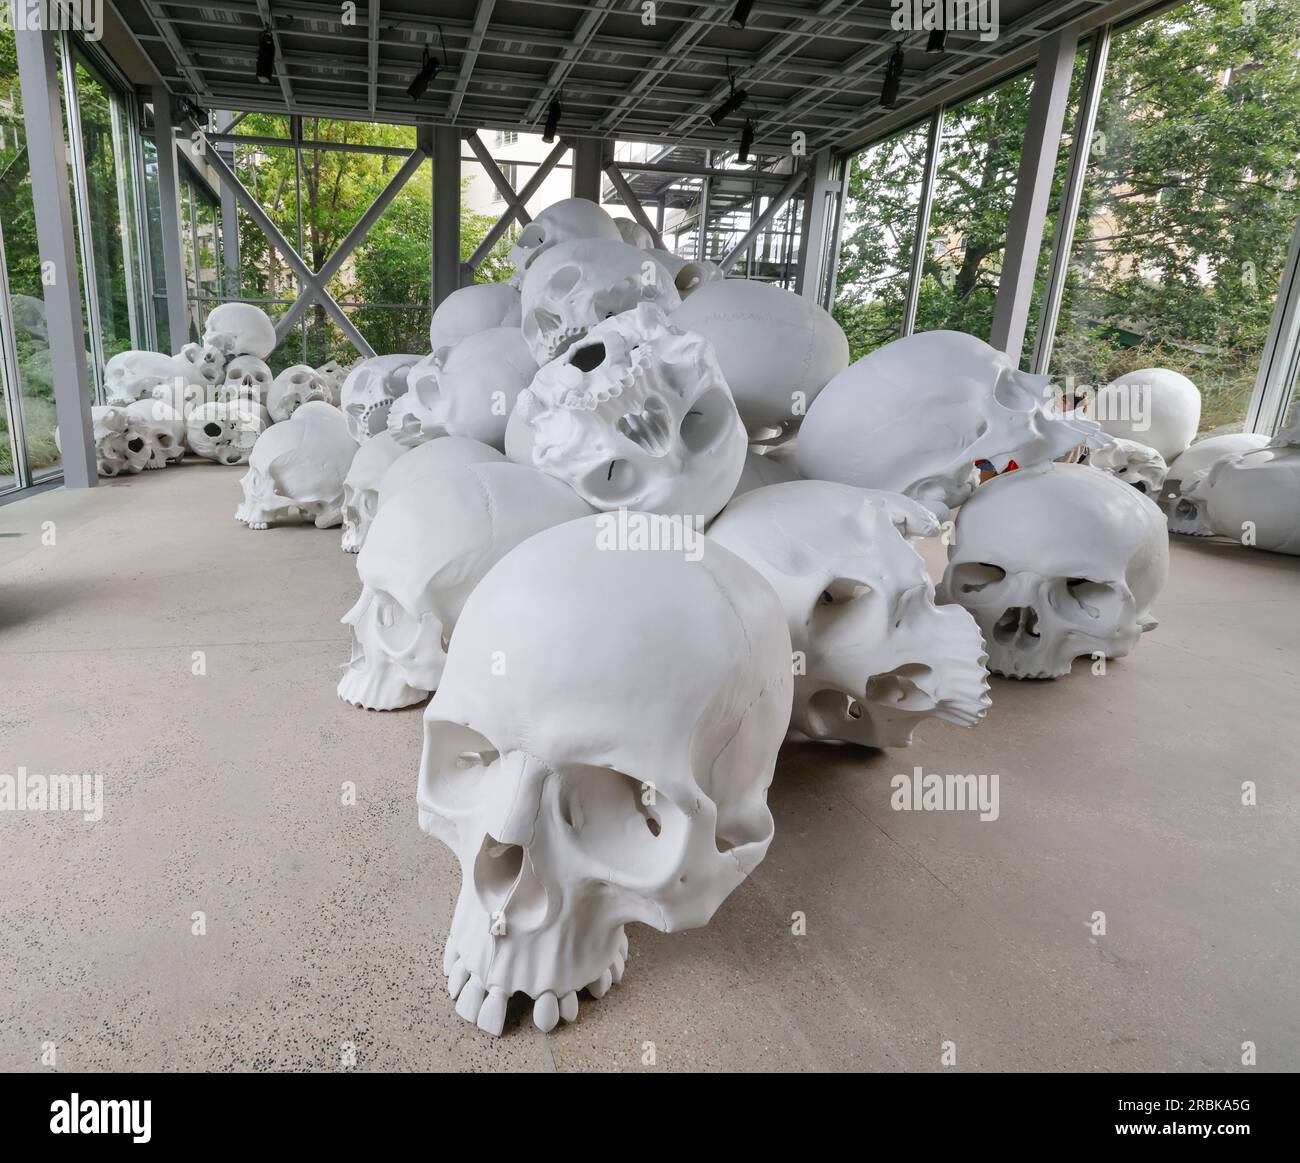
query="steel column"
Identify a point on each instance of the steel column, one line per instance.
(813, 236)
(445, 271)
(797, 179)
(1047, 102)
(47, 159)
(588, 162)
(229, 216)
(169, 219)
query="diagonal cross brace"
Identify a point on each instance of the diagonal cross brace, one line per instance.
(493, 171)
(503, 223)
(305, 274)
(354, 236)
(632, 202)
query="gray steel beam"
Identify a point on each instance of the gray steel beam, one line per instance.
(229, 215)
(468, 59)
(809, 276)
(445, 272)
(291, 257)
(797, 179)
(502, 224)
(1047, 102)
(47, 160)
(372, 53)
(493, 171)
(349, 242)
(932, 142)
(632, 202)
(169, 219)
(588, 162)
(1271, 398)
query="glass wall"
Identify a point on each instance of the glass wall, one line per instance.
(1189, 202)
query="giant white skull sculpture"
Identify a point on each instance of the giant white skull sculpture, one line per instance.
(634, 234)
(637, 415)
(1254, 497)
(239, 329)
(1154, 406)
(466, 390)
(582, 790)
(472, 309)
(1133, 463)
(166, 428)
(202, 365)
(121, 441)
(247, 378)
(426, 549)
(332, 374)
(563, 221)
(361, 487)
(577, 284)
(1057, 561)
(878, 655)
(369, 391)
(225, 431)
(776, 349)
(437, 456)
(1186, 513)
(762, 470)
(132, 375)
(293, 387)
(914, 416)
(299, 465)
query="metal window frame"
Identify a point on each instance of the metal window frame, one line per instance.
(11, 384)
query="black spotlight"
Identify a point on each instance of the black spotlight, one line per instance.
(729, 106)
(424, 78)
(893, 79)
(266, 57)
(741, 14)
(746, 140)
(553, 113)
(938, 40)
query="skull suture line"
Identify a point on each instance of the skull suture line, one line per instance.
(1057, 561)
(300, 465)
(369, 391)
(361, 487)
(584, 789)
(466, 390)
(878, 655)
(577, 284)
(636, 416)
(426, 548)
(914, 416)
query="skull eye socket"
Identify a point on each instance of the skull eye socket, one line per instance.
(610, 481)
(458, 761)
(1090, 604)
(707, 421)
(972, 576)
(212, 429)
(620, 820)
(843, 590)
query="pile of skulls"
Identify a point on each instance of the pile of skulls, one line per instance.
(212, 399)
(632, 525)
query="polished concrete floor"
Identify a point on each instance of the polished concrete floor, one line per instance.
(1120, 794)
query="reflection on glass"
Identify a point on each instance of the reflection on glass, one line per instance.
(1189, 202)
(879, 224)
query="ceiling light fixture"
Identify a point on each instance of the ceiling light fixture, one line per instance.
(746, 141)
(428, 71)
(553, 114)
(741, 13)
(265, 57)
(734, 101)
(938, 40)
(893, 79)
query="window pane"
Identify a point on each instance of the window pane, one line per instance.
(879, 224)
(1189, 202)
(979, 157)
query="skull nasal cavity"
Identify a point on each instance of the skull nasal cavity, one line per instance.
(589, 358)
(212, 429)
(135, 445)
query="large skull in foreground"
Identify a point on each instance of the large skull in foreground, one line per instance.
(577, 284)
(1254, 497)
(563, 221)
(877, 655)
(1055, 562)
(445, 452)
(299, 465)
(295, 386)
(166, 429)
(776, 349)
(369, 391)
(425, 550)
(1187, 513)
(361, 488)
(239, 329)
(466, 390)
(121, 441)
(914, 416)
(636, 416)
(584, 789)
(472, 309)
(225, 431)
